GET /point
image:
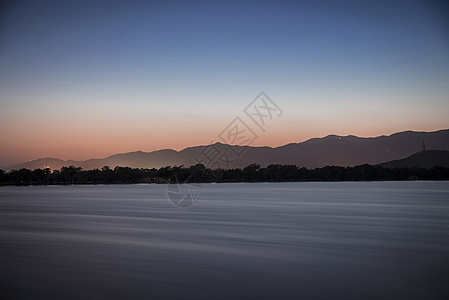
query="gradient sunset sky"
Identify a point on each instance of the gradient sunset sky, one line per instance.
(83, 79)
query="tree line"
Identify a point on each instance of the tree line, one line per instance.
(200, 174)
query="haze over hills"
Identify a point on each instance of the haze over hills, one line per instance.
(316, 152)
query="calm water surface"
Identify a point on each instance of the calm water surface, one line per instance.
(346, 240)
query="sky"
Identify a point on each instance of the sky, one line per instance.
(84, 79)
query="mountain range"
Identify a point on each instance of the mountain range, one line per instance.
(316, 152)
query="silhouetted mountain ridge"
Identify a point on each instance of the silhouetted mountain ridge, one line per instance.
(424, 159)
(316, 152)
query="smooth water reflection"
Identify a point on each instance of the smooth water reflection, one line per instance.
(346, 240)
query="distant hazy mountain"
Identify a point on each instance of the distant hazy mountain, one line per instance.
(316, 152)
(425, 159)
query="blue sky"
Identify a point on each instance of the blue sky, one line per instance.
(119, 71)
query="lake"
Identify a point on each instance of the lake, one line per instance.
(314, 240)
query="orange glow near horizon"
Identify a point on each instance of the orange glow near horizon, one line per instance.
(158, 75)
(99, 139)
